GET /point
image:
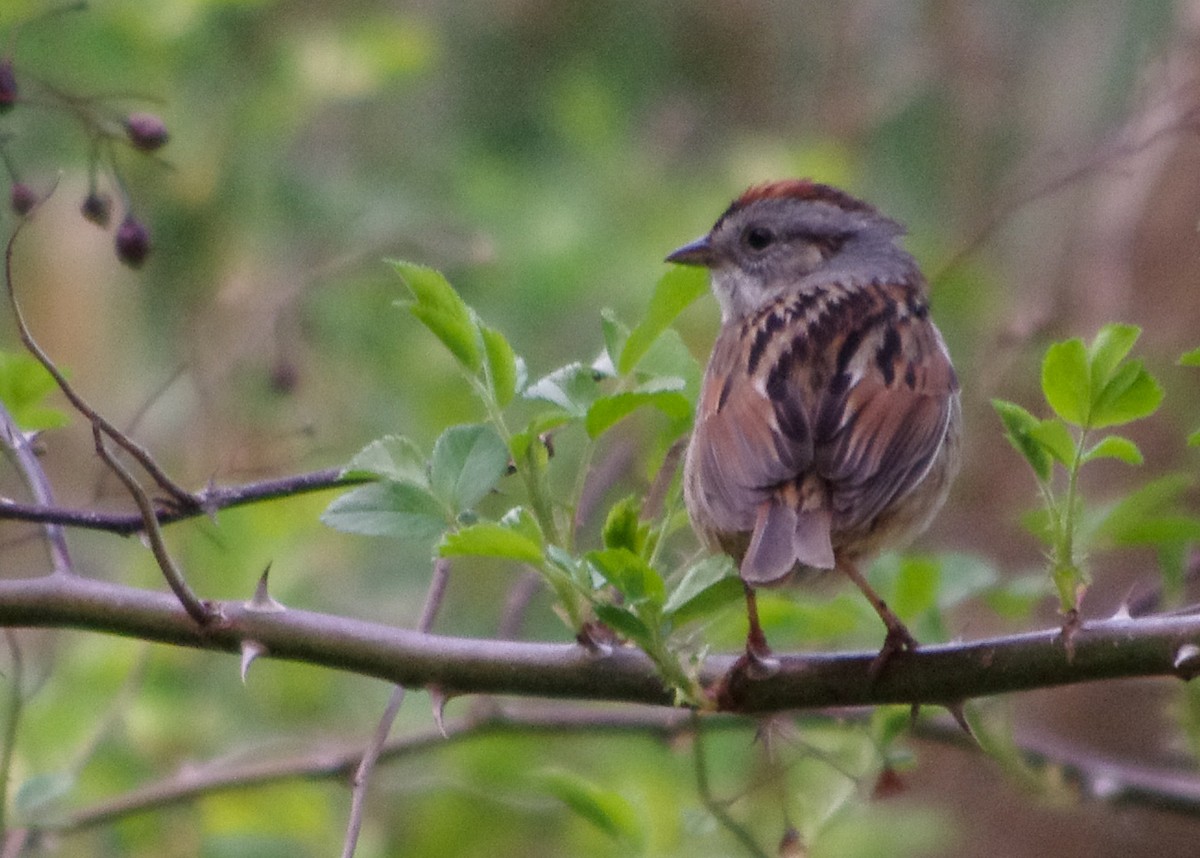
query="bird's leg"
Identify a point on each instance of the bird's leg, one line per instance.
(756, 641)
(898, 636)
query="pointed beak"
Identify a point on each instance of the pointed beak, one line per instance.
(699, 252)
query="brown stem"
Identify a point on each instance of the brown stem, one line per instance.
(180, 496)
(200, 611)
(362, 775)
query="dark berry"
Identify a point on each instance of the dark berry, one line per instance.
(8, 85)
(22, 198)
(146, 131)
(133, 242)
(97, 208)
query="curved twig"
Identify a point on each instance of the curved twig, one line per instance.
(211, 500)
(178, 494)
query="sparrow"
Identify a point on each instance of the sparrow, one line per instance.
(828, 425)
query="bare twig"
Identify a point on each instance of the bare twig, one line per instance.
(1162, 788)
(200, 611)
(12, 719)
(39, 486)
(211, 499)
(519, 596)
(715, 806)
(362, 775)
(180, 496)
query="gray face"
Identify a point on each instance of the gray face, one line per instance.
(776, 246)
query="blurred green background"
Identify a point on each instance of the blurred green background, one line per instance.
(546, 156)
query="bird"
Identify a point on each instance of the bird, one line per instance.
(828, 426)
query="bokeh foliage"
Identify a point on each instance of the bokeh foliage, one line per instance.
(545, 156)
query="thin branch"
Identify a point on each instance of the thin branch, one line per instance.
(338, 762)
(197, 609)
(35, 478)
(715, 806)
(211, 500)
(362, 775)
(1166, 789)
(179, 495)
(14, 702)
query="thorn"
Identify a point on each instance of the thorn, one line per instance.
(958, 709)
(261, 601)
(439, 699)
(1187, 662)
(250, 651)
(1122, 612)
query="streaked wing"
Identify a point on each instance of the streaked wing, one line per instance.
(743, 444)
(883, 418)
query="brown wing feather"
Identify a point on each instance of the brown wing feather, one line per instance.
(738, 455)
(800, 441)
(878, 436)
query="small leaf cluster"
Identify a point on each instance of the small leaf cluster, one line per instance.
(106, 129)
(1090, 388)
(485, 489)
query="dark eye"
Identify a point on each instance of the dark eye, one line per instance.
(759, 238)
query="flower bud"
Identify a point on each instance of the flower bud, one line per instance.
(8, 85)
(133, 242)
(146, 131)
(97, 208)
(22, 198)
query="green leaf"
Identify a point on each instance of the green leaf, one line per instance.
(615, 336)
(706, 587)
(392, 457)
(661, 393)
(399, 510)
(1066, 381)
(1109, 348)
(503, 365)
(443, 312)
(1015, 598)
(916, 586)
(1114, 447)
(467, 463)
(1056, 439)
(521, 521)
(623, 527)
(1153, 514)
(632, 576)
(1019, 425)
(625, 623)
(489, 539)
(1191, 358)
(24, 384)
(676, 289)
(1130, 394)
(964, 576)
(605, 809)
(572, 388)
(1193, 440)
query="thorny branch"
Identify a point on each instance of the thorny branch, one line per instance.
(1117, 647)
